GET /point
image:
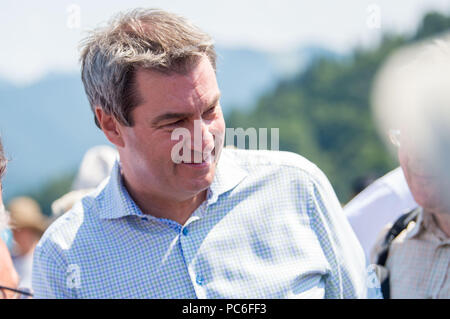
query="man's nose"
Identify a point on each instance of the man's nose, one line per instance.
(202, 139)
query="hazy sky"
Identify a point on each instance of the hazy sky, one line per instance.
(42, 36)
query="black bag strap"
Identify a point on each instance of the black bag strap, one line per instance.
(401, 224)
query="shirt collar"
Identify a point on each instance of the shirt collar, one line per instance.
(116, 202)
(415, 227)
(426, 224)
(228, 175)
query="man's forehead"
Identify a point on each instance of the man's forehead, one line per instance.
(178, 90)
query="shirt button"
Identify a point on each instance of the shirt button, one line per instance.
(185, 231)
(200, 281)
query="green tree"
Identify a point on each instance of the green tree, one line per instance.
(324, 112)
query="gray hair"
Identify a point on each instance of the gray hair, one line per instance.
(142, 38)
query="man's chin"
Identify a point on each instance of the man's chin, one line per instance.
(196, 177)
(193, 189)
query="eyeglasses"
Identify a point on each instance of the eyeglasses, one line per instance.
(395, 136)
(21, 293)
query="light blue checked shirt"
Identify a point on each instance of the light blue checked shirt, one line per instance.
(271, 227)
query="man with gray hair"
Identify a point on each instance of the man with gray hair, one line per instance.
(179, 216)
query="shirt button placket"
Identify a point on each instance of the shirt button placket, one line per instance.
(200, 280)
(186, 245)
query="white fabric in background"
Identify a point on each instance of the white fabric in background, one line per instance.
(382, 202)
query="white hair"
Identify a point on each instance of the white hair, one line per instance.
(413, 87)
(411, 95)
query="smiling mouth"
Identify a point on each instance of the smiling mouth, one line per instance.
(207, 159)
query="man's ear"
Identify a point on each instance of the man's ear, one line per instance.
(110, 126)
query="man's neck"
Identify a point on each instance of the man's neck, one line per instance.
(443, 222)
(164, 207)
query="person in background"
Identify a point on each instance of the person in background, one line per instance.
(28, 224)
(411, 101)
(382, 202)
(360, 183)
(9, 279)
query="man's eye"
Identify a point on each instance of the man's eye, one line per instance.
(210, 111)
(179, 122)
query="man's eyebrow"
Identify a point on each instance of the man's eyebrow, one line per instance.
(177, 115)
(215, 101)
(169, 116)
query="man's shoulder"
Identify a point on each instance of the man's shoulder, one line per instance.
(62, 232)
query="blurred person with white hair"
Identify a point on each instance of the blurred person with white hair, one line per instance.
(411, 100)
(380, 203)
(9, 278)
